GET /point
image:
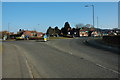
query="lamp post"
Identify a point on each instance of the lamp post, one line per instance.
(97, 24)
(38, 25)
(8, 27)
(93, 11)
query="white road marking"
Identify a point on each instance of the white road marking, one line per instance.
(27, 64)
(108, 68)
(29, 68)
(71, 53)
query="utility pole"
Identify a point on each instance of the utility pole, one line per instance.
(93, 15)
(92, 12)
(8, 30)
(38, 25)
(97, 23)
(8, 27)
(34, 29)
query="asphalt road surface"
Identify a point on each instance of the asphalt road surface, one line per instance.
(63, 58)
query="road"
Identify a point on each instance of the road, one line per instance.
(63, 58)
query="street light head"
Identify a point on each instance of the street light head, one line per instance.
(92, 5)
(93, 11)
(86, 6)
(89, 5)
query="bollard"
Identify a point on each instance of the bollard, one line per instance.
(45, 39)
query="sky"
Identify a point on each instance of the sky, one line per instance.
(60, 0)
(0, 16)
(40, 15)
(119, 15)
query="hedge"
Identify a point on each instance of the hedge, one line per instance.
(112, 39)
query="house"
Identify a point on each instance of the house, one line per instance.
(39, 34)
(83, 32)
(29, 33)
(94, 33)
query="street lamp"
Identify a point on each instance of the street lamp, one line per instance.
(93, 11)
(8, 27)
(97, 24)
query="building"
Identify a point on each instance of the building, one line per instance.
(83, 33)
(39, 34)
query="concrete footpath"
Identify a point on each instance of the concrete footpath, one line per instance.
(101, 45)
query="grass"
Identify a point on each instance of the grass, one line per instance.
(97, 37)
(51, 38)
(0, 47)
(10, 40)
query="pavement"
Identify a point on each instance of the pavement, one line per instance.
(98, 43)
(62, 58)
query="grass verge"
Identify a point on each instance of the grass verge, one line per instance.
(51, 38)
